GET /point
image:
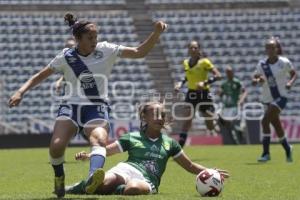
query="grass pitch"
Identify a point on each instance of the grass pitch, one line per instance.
(26, 174)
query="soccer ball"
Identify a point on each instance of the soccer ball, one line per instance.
(209, 182)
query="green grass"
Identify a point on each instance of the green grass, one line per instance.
(26, 174)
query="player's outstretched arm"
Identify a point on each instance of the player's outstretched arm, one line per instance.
(184, 161)
(142, 50)
(16, 98)
(111, 149)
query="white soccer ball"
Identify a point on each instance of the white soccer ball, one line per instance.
(209, 182)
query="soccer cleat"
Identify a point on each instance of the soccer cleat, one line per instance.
(289, 155)
(77, 188)
(94, 181)
(264, 158)
(59, 186)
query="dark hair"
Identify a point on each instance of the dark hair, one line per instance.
(202, 53)
(78, 27)
(278, 44)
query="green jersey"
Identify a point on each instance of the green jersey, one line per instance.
(149, 156)
(231, 92)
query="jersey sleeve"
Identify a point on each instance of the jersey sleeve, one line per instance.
(113, 49)
(175, 149)
(288, 66)
(58, 63)
(208, 64)
(185, 65)
(124, 142)
(258, 69)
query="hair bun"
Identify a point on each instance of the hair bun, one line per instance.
(70, 19)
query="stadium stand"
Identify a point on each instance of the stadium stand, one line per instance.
(208, 1)
(58, 2)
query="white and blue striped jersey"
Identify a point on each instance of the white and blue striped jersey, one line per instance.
(99, 64)
(277, 80)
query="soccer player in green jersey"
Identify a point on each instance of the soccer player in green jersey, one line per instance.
(148, 154)
(232, 95)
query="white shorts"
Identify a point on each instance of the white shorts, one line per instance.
(129, 173)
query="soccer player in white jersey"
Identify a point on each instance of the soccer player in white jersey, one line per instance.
(272, 73)
(86, 106)
(148, 153)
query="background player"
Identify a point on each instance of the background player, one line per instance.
(272, 74)
(232, 95)
(197, 69)
(86, 108)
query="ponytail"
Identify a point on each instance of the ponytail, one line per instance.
(78, 27)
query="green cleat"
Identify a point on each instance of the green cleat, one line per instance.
(77, 188)
(59, 186)
(94, 181)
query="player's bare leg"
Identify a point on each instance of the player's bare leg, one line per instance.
(64, 130)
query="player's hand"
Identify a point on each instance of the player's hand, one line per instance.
(200, 85)
(58, 86)
(177, 87)
(83, 156)
(223, 173)
(15, 99)
(254, 81)
(261, 79)
(288, 86)
(160, 27)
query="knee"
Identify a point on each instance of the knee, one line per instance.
(98, 139)
(56, 148)
(134, 189)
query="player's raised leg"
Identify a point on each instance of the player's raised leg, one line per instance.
(98, 139)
